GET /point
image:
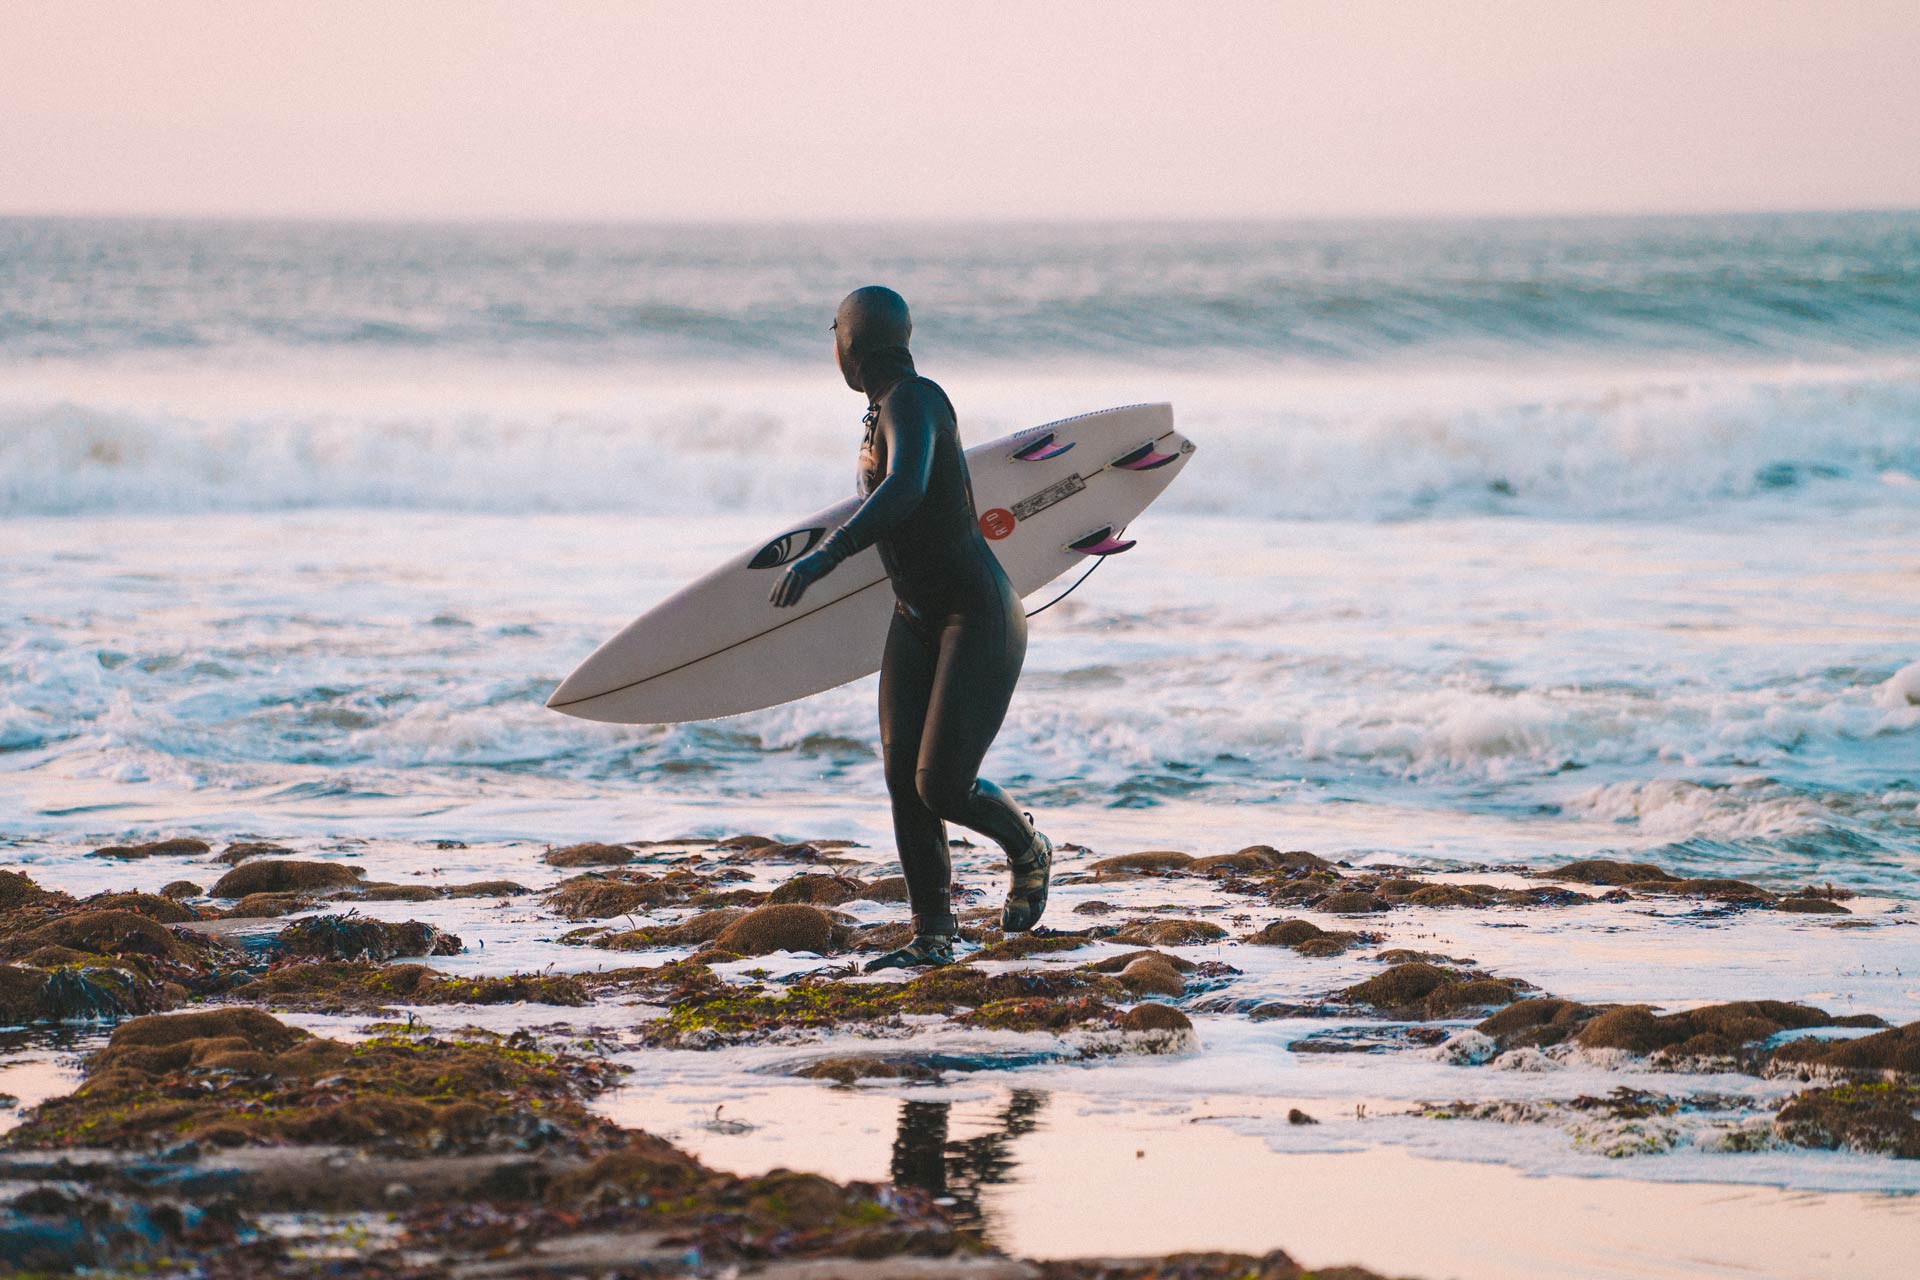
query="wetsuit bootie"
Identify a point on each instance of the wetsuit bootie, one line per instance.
(932, 946)
(1032, 874)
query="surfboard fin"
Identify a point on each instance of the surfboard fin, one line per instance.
(1042, 449)
(1145, 458)
(1103, 541)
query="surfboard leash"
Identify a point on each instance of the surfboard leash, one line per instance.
(1098, 561)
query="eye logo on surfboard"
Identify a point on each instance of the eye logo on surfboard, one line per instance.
(786, 547)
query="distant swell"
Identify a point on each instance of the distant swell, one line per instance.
(1655, 443)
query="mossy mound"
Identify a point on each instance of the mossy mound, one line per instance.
(701, 927)
(1606, 871)
(1400, 986)
(886, 889)
(1717, 889)
(356, 937)
(18, 891)
(1153, 975)
(1016, 1000)
(240, 1077)
(382, 892)
(270, 906)
(818, 890)
(1023, 945)
(1881, 1118)
(1536, 1023)
(1713, 1031)
(76, 992)
(847, 1070)
(601, 895)
(1155, 1017)
(1258, 860)
(1152, 862)
(341, 987)
(285, 875)
(153, 906)
(1169, 933)
(181, 889)
(1119, 963)
(121, 934)
(487, 889)
(185, 847)
(1895, 1051)
(1307, 938)
(1352, 903)
(1811, 906)
(589, 855)
(789, 926)
(239, 851)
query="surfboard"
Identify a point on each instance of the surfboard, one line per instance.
(1048, 498)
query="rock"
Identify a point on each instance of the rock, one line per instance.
(1306, 938)
(75, 992)
(1169, 933)
(818, 890)
(1152, 975)
(1896, 1050)
(1351, 903)
(886, 889)
(1475, 993)
(399, 893)
(1401, 985)
(1717, 889)
(591, 897)
(1095, 908)
(355, 937)
(151, 905)
(1877, 1118)
(1713, 1031)
(266, 906)
(1285, 860)
(846, 1070)
(1153, 862)
(1296, 1116)
(183, 847)
(488, 889)
(285, 876)
(1811, 906)
(363, 987)
(589, 855)
(17, 890)
(235, 854)
(1536, 1023)
(1155, 1017)
(182, 889)
(106, 933)
(704, 926)
(1442, 895)
(783, 927)
(1606, 871)
(1118, 964)
(1028, 944)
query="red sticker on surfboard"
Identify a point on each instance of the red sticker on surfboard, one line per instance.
(997, 523)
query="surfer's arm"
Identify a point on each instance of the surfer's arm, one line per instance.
(908, 425)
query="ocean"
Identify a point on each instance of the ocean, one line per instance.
(1505, 539)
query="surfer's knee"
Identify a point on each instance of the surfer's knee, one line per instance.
(944, 794)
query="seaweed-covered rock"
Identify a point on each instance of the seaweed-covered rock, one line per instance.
(356, 937)
(1895, 1051)
(589, 855)
(178, 889)
(1306, 937)
(151, 905)
(75, 993)
(239, 851)
(592, 897)
(1811, 906)
(1536, 1023)
(1155, 1017)
(1119, 963)
(1169, 933)
(1877, 1118)
(790, 926)
(845, 1070)
(1713, 1031)
(1152, 975)
(1020, 946)
(1351, 903)
(270, 906)
(107, 933)
(398, 893)
(185, 847)
(338, 987)
(1401, 985)
(1153, 862)
(703, 926)
(886, 889)
(240, 1077)
(1717, 889)
(818, 890)
(487, 889)
(285, 875)
(19, 890)
(1606, 871)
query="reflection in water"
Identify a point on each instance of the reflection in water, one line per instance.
(955, 1172)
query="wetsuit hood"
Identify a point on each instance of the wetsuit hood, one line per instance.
(870, 331)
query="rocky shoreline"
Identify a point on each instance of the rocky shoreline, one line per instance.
(210, 1135)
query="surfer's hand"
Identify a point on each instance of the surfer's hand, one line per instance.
(806, 571)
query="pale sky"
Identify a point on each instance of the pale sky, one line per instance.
(820, 109)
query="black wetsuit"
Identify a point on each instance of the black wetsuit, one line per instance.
(958, 635)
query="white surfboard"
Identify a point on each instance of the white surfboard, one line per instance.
(719, 648)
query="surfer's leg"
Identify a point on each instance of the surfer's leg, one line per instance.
(906, 682)
(973, 681)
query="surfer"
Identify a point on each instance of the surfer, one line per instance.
(958, 635)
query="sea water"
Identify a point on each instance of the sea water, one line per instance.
(1504, 538)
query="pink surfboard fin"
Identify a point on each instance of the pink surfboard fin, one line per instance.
(1145, 458)
(1101, 542)
(1042, 449)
